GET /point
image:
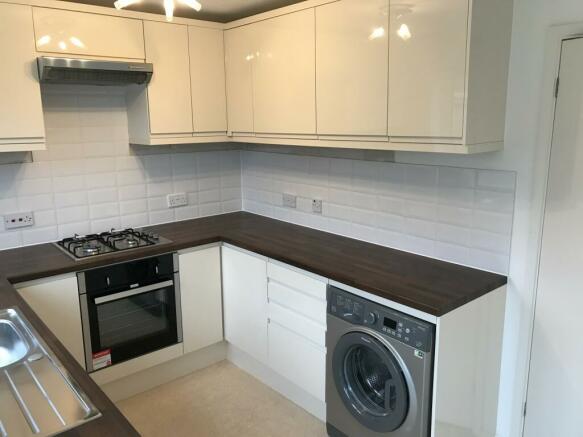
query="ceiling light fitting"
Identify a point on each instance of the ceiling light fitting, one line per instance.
(169, 6)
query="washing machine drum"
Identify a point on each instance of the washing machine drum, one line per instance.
(370, 382)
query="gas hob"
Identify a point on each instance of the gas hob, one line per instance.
(81, 247)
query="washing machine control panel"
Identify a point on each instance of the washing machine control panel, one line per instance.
(395, 324)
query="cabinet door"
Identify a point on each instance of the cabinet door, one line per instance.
(169, 97)
(284, 94)
(352, 55)
(79, 33)
(201, 299)
(21, 115)
(207, 75)
(239, 55)
(56, 302)
(427, 67)
(245, 302)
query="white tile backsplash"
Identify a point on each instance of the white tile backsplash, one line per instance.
(90, 180)
(457, 214)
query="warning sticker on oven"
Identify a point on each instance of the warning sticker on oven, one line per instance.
(102, 359)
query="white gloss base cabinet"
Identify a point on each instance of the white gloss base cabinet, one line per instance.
(245, 301)
(201, 297)
(467, 368)
(21, 114)
(275, 322)
(297, 327)
(56, 301)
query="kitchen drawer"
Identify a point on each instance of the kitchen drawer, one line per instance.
(309, 329)
(304, 304)
(297, 280)
(297, 360)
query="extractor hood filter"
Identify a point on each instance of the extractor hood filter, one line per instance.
(92, 72)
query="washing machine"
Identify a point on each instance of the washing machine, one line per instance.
(378, 371)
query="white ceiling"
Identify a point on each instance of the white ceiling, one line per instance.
(213, 10)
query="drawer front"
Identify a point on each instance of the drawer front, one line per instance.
(79, 33)
(299, 281)
(309, 329)
(297, 360)
(306, 305)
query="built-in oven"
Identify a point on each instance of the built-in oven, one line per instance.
(129, 309)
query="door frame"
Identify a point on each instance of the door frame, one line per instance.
(556, 35)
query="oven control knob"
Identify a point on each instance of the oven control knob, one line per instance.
(371, 318)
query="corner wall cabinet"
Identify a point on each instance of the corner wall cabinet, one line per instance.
(270, 76)
(21, 115)
(185, 100)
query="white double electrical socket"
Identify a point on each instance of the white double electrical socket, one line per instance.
(289, 200)
(177, 199)
(18, 220)
(317, 206)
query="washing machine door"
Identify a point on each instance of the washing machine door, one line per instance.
(370, 382)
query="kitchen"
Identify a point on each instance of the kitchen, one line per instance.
(279, 205)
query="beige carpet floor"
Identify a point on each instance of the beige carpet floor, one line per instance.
(219, 401)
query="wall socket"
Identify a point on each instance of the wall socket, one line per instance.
(18, 220)
(317, 206)
(177, 199)
(290, 200)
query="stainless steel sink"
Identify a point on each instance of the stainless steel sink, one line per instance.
(38, 397)
(13, 346)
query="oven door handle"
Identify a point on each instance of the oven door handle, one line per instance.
(129, 293)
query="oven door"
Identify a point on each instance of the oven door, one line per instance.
(130, 323)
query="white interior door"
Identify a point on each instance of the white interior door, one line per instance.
(555, 392)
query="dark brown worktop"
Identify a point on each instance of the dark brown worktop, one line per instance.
(429, 285)
(432, 286)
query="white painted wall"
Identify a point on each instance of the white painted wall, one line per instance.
(532, 22)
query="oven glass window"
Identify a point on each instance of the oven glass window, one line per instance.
(124, 320)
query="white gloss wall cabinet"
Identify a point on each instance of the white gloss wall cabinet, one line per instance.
(448, 67)
(21, 115)
(56, 301)
(201, 298)
(207, 75)
(284, 95)
(245, 301)
(169, 98)
(426, 76)
(239, 55)
(352, 46)
(427, 63)
(62, 32)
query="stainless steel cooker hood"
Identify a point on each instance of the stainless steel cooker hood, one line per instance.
(93, 72)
